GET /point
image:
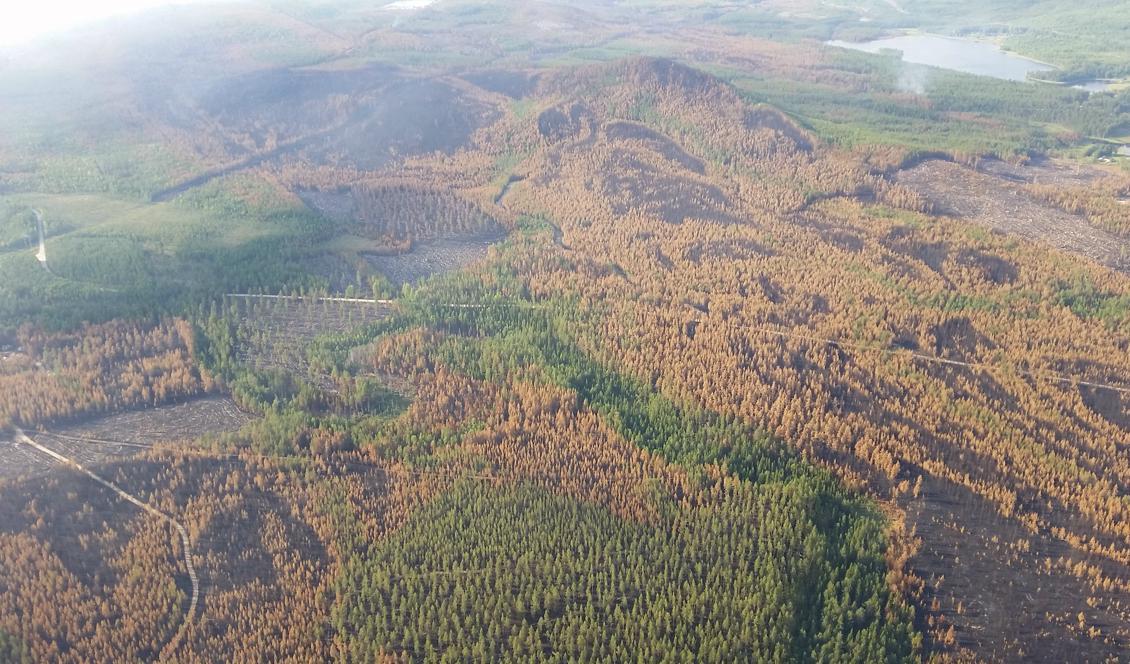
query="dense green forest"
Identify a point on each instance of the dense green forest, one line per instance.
(774, 571)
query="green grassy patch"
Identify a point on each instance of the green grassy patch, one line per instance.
(114, 257)
(1085, 300)
(17, 226)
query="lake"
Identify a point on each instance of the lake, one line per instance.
(400, 5)
(972, 57)
(1098, 86)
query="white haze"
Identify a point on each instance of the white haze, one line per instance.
(22, 21)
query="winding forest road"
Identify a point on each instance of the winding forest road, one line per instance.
(170, 647)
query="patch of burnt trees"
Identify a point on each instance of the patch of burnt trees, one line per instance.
(99, 368)
(401, 212)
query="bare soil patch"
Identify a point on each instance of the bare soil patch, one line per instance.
(100, 440)
(183, 421)
(1003, 205)
(434, 257)
(1043, 171)
(423, 231)
(1000, 585)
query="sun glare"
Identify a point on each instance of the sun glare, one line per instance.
(23, 22)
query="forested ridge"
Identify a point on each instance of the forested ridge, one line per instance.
(828, 323)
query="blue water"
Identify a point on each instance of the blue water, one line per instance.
(971, 57)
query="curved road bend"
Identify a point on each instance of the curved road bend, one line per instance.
(21, 437)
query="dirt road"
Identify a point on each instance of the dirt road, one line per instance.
(41, 255)
(170, 647)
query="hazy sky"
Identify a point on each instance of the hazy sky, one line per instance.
(24, 20)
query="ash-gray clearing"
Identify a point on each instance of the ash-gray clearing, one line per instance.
(432, 257)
